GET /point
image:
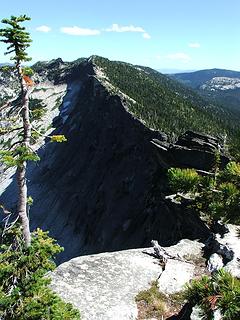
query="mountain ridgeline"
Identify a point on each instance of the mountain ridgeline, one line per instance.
(164, 104)
(105, 188)
(158, 101)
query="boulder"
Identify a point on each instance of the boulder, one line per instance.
(215, 262)
(175, 276)
(225, 247)
(196, 313)
(184, 263)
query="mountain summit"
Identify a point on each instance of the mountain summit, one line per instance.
(104, 189)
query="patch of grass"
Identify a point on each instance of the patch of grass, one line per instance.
(154, 304)
(155, 300)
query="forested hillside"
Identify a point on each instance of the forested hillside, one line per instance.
(164, 104)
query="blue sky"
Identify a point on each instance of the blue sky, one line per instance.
(163, 34)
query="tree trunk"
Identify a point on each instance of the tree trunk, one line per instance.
(22, 203)
(21, 170)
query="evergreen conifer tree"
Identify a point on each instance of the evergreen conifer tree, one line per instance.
(18, 40)
(19, 150)
(25, 257)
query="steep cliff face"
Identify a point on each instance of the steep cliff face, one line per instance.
(104, 189)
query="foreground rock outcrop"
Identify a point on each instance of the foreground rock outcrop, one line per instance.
(104, 286)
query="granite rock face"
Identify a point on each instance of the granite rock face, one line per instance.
(104, 189)
(104, 286)
(183, 267)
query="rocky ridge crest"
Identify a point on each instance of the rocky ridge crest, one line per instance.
(104, 190)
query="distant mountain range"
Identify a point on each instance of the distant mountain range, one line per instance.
(217, 85)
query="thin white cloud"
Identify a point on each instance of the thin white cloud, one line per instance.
(194, 45)
(77, 31)
(43, 29)
(179, 56)
(131, 28)
(146, 35)
(117, 28)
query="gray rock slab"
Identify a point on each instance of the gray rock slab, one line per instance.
(175, 276)
(103, 286)
(177, 273)
(186, 249)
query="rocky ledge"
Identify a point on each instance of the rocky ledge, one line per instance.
(104, 286)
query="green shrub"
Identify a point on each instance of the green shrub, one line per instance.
(24, 286)
(221, 291)
(232, 172)
(183, 180)
(215, 196)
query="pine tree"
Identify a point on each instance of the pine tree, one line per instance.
(18, 40)
(25, 257)
(18, 149)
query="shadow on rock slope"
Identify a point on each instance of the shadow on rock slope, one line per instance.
(104, 189)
